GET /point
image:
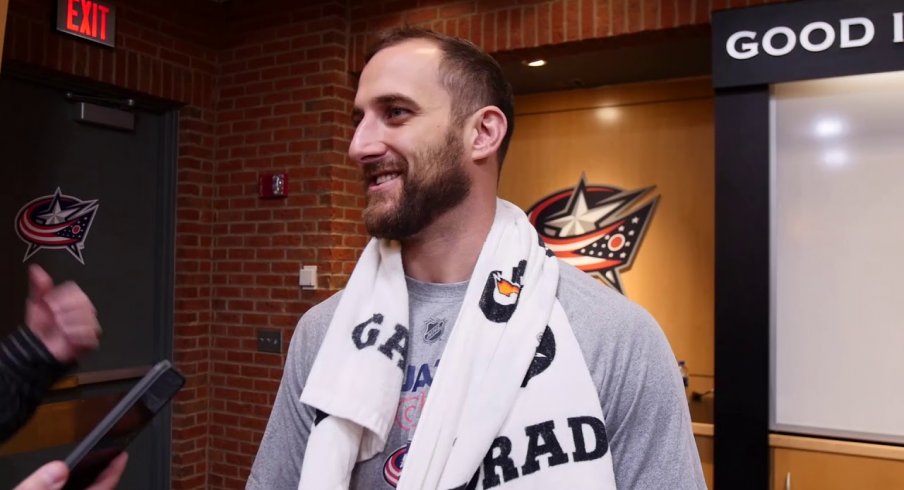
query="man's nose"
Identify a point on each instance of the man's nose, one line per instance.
(367, 142)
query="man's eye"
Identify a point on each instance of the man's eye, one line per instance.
(397, 112)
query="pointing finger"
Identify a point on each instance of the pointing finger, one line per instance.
(39, 281)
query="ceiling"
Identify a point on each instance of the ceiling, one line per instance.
(676, 53)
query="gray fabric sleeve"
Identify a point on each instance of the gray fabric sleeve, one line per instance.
(277, 465)
(652, 439)
(644, 405)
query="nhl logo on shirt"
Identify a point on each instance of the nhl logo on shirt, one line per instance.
(435, 328)
(56, 221)
(596, 228)
(392, 468)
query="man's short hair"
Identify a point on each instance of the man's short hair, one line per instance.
(471, 77)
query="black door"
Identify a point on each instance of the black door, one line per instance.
(90, 201)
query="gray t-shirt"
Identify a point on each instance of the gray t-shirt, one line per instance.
(630, 362)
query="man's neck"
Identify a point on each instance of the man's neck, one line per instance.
(447, 250)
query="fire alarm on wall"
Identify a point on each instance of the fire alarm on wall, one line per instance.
(273, 185)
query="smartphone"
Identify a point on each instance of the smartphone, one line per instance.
(122, 424)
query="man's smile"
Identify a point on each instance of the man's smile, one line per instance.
(379, 181)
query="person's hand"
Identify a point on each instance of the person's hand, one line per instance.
(61, 316)
(53, 475)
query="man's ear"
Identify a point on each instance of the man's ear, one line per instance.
(488, 127)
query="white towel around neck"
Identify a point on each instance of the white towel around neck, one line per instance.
(512, 404)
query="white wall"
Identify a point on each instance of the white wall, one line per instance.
(838, 257)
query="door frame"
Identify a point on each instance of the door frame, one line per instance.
(161, 427)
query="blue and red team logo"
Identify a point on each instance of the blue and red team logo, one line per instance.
(596, 228)
(392, 468)
(56, 221)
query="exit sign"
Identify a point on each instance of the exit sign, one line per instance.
(88, 19)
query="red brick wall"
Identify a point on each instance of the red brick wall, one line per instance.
(284, 100)
(267, 89)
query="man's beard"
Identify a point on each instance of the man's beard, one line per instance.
(439, 184)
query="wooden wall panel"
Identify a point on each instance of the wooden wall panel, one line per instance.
(705, 448)
(4, 7)
(632, 137)
(812, 470)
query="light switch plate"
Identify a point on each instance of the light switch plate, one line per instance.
(307, 277)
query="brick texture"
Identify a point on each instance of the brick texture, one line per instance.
(265, 86)
(284, 99)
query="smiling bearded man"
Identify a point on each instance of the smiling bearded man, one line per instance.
(438, 184)
(548, 379)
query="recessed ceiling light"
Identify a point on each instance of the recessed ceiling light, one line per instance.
(828, 127)
(535, 63)
(608, 114)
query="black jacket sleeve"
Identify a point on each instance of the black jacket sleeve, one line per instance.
(27, 369)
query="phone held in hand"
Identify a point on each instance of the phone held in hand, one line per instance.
(122, 424)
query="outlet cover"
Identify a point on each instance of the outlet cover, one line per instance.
(269, 341)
